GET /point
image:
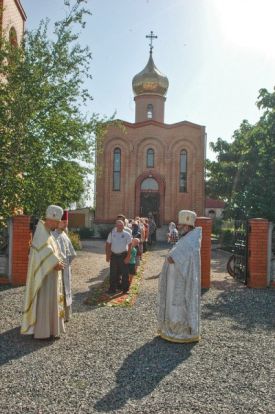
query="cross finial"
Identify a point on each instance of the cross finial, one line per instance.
(151, 36)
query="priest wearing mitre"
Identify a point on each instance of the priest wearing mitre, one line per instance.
(179, 284)
(43, 315)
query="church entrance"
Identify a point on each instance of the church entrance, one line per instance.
(149, 204)
(150, 189)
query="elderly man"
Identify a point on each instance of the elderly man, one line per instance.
(67, 253)
(179, 285)
(43, 314)
(118, 253)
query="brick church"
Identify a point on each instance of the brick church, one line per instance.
(149, 166)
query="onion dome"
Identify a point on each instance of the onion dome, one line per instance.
(150, 80)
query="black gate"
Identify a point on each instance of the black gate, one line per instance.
(237, 265)
(5, 228)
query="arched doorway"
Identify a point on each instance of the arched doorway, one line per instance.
(150, 199)
(150, 196)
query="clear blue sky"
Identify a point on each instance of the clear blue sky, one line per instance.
(217, 54)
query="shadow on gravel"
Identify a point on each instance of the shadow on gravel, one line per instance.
(142, 371)
(13, 345)
(247, 308)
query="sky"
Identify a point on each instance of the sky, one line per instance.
(217, 55)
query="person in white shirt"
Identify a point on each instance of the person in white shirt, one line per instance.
(118, 253)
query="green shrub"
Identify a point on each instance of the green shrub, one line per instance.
(227, 239)
(75, 239)
(85, 233)
(217, 226)
(105, 230)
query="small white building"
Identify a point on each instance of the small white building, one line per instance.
(214, 208)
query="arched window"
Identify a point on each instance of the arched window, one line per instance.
(150, 158)
(149, 111)
(183, 171)
(116, 169)
(13, 37)
(149, 184)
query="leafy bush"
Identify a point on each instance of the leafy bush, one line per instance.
(85, 233)
(227, 239)
(217, 226)
(105, 230)
(75, 239)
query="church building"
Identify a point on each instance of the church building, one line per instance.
(12, 20)
(150, 167)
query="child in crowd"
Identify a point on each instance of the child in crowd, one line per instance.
(132, 263)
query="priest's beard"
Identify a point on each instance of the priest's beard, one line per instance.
(183, 231)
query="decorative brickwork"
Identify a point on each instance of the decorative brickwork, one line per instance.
(167, 141)
(258, 253)
(12, 16)
(21, 239)
(206, 224)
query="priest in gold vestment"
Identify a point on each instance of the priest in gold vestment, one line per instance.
(43, 314)
(179, 285)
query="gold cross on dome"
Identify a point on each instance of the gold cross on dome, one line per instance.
(151, 36)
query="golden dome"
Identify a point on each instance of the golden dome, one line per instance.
(150, 80)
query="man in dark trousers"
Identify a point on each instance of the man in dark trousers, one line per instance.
(118, 253)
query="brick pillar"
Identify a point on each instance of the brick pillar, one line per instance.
(21, 237)
(206, 224)
(257, 253)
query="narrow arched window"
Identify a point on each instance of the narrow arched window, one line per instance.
(149, 111)
(150, 158)
(116, 169)
(13, 37)
(183, 171)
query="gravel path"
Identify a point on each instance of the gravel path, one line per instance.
(110, 360)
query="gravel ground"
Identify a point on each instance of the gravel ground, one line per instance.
(110, 360)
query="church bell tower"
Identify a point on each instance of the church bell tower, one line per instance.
(150, 87)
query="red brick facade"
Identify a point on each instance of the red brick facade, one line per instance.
(12, 16)
(167, 141)
(206, 224)
(21, 239)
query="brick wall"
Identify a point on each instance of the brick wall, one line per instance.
(13, 16)
(77, 220)
(21, 239)
(167, 141)
(257, 253)
(206, 224)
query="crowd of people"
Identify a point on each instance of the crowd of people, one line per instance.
(48, 296)
(125, 244)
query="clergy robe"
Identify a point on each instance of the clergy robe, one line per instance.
(68, 253)
(179, 291)
(43, 313)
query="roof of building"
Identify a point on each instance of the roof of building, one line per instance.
(212, 203)
(21, 10)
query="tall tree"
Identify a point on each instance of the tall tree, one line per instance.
(244, 173)
(47, 139)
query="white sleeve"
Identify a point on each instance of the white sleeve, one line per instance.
(109, 238)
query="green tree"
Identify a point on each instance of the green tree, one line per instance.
(47, 137)
(244, 172)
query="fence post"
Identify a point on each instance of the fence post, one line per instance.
(206, 224)
(257, 253)
(21, 238)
